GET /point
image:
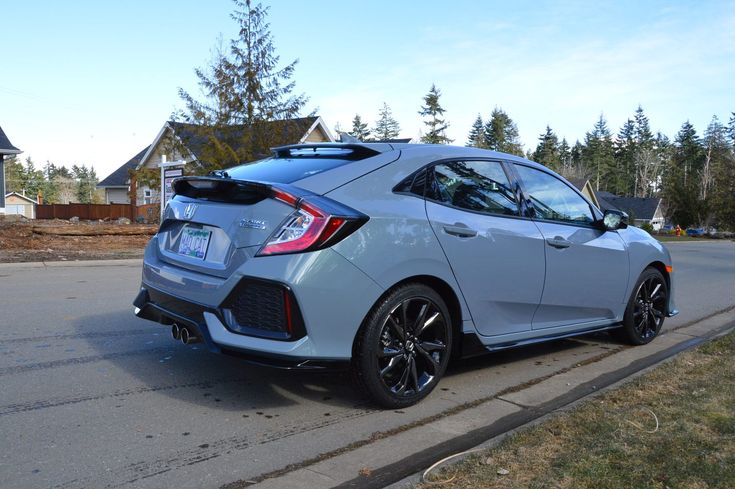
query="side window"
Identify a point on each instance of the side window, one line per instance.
(553, 199)
(480, 186)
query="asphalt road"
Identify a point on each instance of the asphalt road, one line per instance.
(91, 396)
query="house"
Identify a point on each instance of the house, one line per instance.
(584, 186)
(20, 204)
(6, 149)
(641, 210)
(177, 141)
(117, 184)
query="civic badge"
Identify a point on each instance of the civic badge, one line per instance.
(189, 211)
(253, 224)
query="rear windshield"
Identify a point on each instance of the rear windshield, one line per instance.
(286, 170)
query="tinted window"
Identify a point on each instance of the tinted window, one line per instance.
(284, 170)
(474, 185)
(553, 199)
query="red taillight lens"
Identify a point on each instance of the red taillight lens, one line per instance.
(308, 228)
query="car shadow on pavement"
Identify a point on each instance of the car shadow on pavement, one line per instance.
(543, 353)
(191, 373)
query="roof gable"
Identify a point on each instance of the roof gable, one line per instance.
(20, 196)
(121, 176)
(5, 147)
(283, 132)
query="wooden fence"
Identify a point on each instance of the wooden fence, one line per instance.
(97, 211)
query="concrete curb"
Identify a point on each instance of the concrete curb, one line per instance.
(124, 262)
(392, 459)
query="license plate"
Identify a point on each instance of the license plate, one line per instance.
(194, 243)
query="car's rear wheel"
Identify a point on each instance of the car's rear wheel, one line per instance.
(646, 309)
(404, 346)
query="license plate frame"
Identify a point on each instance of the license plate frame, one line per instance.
(194, 243)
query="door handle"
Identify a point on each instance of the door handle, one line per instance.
(558, 242)
(461, 231)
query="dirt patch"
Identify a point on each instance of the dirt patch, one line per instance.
(58, 240)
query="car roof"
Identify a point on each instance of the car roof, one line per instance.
(412, 148)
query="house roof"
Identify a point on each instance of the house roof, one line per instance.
(282, 132)
(24, 197)
(639, 207)
(5, 147)
(121, 176)
(579, 183)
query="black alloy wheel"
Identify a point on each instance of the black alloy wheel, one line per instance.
(405, 346)
(646, 309)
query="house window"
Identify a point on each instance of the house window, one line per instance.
(147, 196)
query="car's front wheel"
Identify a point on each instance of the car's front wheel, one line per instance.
(403, 347)
(646, 309)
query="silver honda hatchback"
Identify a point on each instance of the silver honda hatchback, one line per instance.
(391, 259)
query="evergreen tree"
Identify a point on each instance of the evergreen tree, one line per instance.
(624, 173)
(436, 124)
(86, 183)
(547, 150)
(680, 182)
(14, 175)
(246, 85)
(359, 129)
(386, 127)
(577, 163)
(476, 138)
(598, 155)
(717, 177)
(501, 133)
(565, 159)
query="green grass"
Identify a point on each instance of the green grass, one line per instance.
(610, 442)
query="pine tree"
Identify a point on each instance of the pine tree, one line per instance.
(501, 133)
(386, 127)
(15, 177)
(598, 154)
(565, 159)
(717, 176)
(680, 182)
(359, 129)
(624, 148)
(476, 138)
(436, 125)
(577, 163)
(86, 183)
(547, 150)
(246, 85)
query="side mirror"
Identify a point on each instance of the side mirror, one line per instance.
(613, 220)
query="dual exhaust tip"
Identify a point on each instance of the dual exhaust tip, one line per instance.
(184, 334)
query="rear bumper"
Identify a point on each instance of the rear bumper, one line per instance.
(207, 323)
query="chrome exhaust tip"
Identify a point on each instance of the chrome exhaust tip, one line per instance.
(188, 338)
(176, 331)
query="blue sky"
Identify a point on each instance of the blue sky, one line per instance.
(90, 82)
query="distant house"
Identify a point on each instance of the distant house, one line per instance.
(641, 209)
(20, 204)
(584, 186)
(6, 149)
(178, 141)
(117, 184)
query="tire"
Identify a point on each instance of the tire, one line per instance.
(646, 309)
(403, 348)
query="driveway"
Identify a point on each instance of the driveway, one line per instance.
(91, 396)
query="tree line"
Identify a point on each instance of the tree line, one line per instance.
(246, 85)
(55, 184)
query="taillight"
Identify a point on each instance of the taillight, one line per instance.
(311, 226)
